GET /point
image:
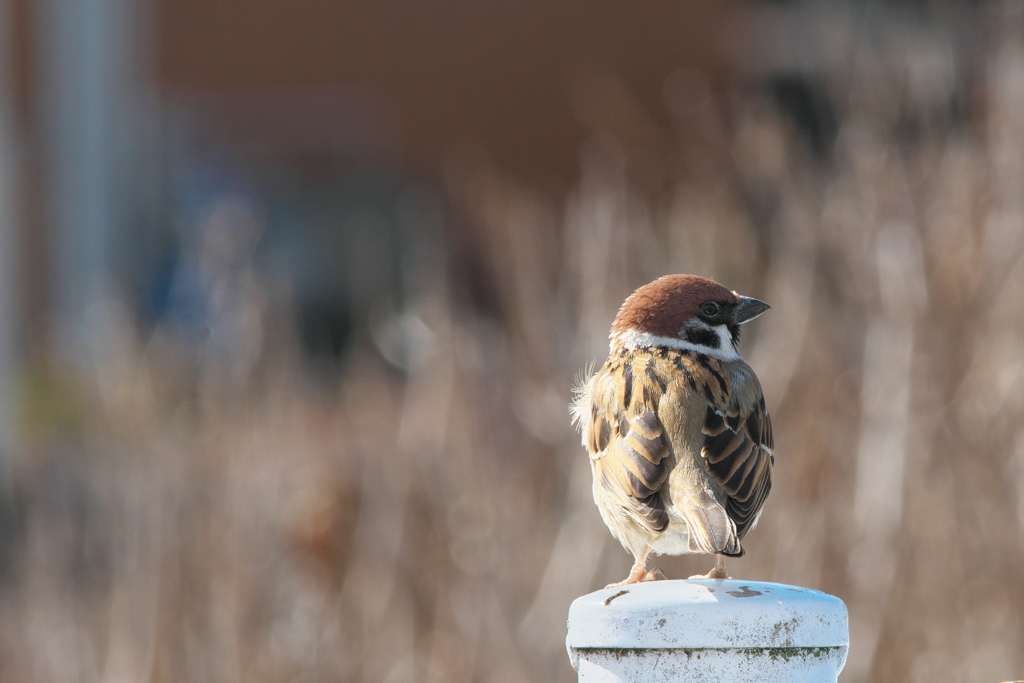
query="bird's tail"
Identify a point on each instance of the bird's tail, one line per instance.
(711, 531)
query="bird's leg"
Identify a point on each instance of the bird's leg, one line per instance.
(640, 572)
(718, 572)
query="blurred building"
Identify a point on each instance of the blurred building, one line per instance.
(337, 122)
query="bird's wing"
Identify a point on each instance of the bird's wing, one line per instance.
(738, 446)
(627, 443)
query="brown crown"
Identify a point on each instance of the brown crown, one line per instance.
(661, 307)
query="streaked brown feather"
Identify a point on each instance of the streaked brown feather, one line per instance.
(738, 450)
(633, 460)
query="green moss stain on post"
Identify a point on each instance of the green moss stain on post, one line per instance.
(788, 653)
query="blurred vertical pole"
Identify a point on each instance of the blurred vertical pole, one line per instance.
(9, 242)
(93, 58)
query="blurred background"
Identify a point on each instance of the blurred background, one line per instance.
(293, 296)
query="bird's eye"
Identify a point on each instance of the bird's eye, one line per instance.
(709, 309)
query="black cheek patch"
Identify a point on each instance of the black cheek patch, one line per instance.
(704, 337)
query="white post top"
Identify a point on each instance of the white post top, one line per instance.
(741, 630)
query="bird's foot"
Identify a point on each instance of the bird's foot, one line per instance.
(713, 574)
(640, 576)
(655, 575)
(717, 573)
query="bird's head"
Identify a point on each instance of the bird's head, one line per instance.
(684, 312)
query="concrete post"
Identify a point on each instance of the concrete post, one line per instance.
(708, 630)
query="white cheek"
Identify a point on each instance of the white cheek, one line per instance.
(724, 339)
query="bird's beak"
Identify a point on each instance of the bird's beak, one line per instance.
(748, 309)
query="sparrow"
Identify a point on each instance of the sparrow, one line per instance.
(675, 422)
